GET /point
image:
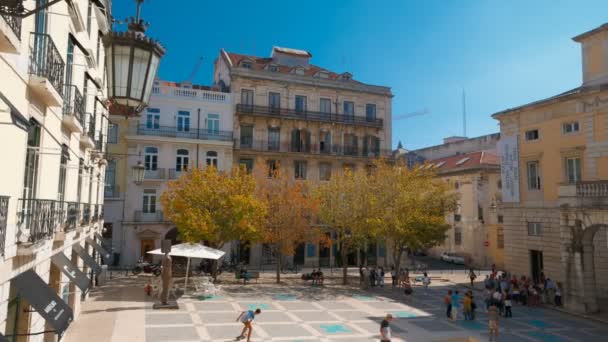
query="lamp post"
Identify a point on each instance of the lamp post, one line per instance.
(138, 172)
(132, 60)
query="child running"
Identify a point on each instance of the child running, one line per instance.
(247, 317)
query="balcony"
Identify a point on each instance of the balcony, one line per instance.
(73, 109)
(584, 194)
(10, 34)
(155, 217)
(175, 174)
(46, 69)
(3, 219)
(248, 144)
(87, 137)
(72, 215)
(37, 219)
(190, 133)
(284, 113)
(156, 174)
(111, 191)
(95, 217)
(191, 94)
(85, 208)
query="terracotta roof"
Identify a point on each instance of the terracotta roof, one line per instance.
(467, 161)
(260, 63)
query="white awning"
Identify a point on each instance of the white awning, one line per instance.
(192, 250)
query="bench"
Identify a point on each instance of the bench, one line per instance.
(252, 275)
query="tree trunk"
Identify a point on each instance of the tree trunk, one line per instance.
(397, 254)
(344, 265)
(279, 259)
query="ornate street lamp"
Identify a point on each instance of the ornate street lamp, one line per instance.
(138, 172)
(132, 60)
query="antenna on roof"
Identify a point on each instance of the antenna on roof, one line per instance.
(464, 114)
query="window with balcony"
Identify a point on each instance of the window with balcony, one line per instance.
(573, 170)
(69, 65)
(151, 158)
(325, 107)
(273, 167)
(247, 97)
(300, 140)
(213, 124)
(153, 118)
(183, 121)
(149, 201)
(458, 236)
(112, 133)
(570, 127)
(370, 112)
(63, 163)
(371, 146)
(532, 135)
(110, 179)
(349, 108)
(533, 175)
(31, 160)
(325, 142)
(534, 229)
(247, 164)
(300, 105)
(89, 17)
(300, 169)
(246, 136)
(324, 171)
(211, 158)
(274, 102)
(350, 145)
(274, 139)
(182, 160)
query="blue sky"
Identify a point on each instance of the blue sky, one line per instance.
(502, 53)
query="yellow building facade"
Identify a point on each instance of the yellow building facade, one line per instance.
(554, 155)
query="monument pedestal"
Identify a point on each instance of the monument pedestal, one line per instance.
(171, 305)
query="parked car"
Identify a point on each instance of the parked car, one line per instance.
(452, 258)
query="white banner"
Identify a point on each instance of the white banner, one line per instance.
(509, 167)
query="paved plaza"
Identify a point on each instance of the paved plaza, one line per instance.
(299, 312)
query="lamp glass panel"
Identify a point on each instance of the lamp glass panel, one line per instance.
(140, 65)
(151, 76)
(121, 72)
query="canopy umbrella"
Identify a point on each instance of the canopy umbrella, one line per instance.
(192, 250)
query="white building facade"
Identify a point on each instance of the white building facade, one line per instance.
(184, 126)
(53, 126)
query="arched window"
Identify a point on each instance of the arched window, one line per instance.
(212, 159)
(151, 158)
(182, 160)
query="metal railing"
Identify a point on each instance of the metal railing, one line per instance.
(183, 132)
(175, 174)
(592, 189)
(318, 148)
(86, 213)
(140, 216)
(89, 125)
(14, 23)
(111, 191)
(154, 174)
(3, 219)
(45, 60)
(73, 103)
(307, 115)
(39, 217)
(72, 214)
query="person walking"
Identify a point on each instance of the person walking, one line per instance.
(466, 303)
(455, 305)
(393, 276)
(381, 277)
(247, 317)
(508, 305)
(447, 300)
(385, 329)
(558, 294)
(493, 322)
(472, 276)
(426, 281)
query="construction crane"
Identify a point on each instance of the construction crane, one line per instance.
(424, 111)
(197, 66)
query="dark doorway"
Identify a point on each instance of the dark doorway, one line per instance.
(536, 264)
(244, 251)
(324, 252)
(298, 258)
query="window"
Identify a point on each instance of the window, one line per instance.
(153, 118)
(273, 167)
(274, 136)
(350, 144)
(80, 175)
(97, 55)
(149, 201)
(534, 228)
(247, 97)
(349, 108)
(69, 61)
(324, 171)
(457, 236)
(300, 104)
(273, 68)
(110, 179)
(211, 159)
(573, 170)
(532, 135)
(500, 218)
(274, 101)
(246, 65)
(479, 213)
(30, 178)
(182, 160)
(89, 15)
(246, 136)
(500, 238)
(533, 175)
(299, 71)
(213, 123)
(62, 172)
(325, 142)
(456, 185)
(183, 121)
(325, 106)
(570, 127)
(300, 140)
(370, 112)
(499, 183)
(457, 218)
(371, 146)
(247, 164)
(151, 158)
(300, 169)
(112, 133)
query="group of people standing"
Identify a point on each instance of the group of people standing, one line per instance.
(371, 277)
(454, 301)
(523, 290)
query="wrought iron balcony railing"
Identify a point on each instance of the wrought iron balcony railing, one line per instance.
(73, 102)
(307, 115)
(184, 132)
(3, 219)
(45, 60)
(86, 213)
(14, 23)
(140, 216)
(175, 174)
(318, 148)
(39, 218)
(72, 214)
(154, 174)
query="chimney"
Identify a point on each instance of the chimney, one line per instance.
(290, 57)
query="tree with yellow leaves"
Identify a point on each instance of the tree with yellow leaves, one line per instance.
(290, 214)
(216, 207)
